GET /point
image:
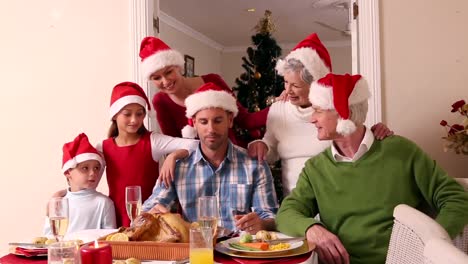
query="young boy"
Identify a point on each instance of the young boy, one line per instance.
(83, 167)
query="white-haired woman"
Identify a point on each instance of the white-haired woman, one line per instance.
(289, 136)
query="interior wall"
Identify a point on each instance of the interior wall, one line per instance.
(60, 60)
(424, 59)
(207, 59)
(231, 62)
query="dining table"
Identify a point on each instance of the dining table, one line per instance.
(308, 256)
(218, 257)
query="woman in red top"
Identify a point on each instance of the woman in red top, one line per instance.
(164, 66)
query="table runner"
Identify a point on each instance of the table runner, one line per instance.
(220, 258)
(13, 259)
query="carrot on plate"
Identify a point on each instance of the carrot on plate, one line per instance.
(257, 245)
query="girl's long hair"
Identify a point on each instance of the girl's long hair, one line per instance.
(114, 131)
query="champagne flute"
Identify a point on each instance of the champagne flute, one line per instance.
(133, 202)
(57, 211)
(208, 213)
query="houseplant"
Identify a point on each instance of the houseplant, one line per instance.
(457, 134)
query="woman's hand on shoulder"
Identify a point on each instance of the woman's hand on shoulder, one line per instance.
(282, 97)
(166, 173)
(60, 193)
(258, 149)
(381, 131)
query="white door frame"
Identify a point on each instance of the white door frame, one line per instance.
(368, 46)
(369, 55)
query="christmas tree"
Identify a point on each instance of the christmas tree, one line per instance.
(259, 85)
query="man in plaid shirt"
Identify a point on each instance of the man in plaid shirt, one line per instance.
(244, 187)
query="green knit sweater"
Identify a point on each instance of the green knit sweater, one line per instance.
(356, 199)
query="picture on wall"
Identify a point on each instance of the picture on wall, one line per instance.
(189, 66)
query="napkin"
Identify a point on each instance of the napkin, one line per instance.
(30, 252)
(283, 260)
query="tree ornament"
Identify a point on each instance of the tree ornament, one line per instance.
(256, 108)
(265, 25)
(257, 75)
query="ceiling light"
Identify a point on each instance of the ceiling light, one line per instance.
(250, 9)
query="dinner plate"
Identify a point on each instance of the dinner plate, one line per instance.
(294, 245)
(86, 236)
(28, 251)
(304, 249)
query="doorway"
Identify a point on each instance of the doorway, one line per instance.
(365, 43)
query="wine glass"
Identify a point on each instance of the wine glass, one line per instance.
(57, 211)
(208, 213)
(133, 202)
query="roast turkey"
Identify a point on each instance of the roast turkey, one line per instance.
(166, 227)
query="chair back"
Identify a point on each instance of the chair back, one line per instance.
(439, 251)
(461, 240)
(412, 229)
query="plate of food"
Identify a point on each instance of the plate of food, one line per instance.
(37, 247)
(263, 242)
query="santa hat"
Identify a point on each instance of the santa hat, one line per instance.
(207, 96)
(339, 92)
(312, 54)
(79, 150)
(127, 93)
(155, 55)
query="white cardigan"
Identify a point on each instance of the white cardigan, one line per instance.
(292, 138)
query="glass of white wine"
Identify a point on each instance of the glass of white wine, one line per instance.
(133, 202)
(57, 211)
(208, 213)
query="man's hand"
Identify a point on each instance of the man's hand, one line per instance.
(258, 150)
(250, 222)
(158, 209)
(328, 246)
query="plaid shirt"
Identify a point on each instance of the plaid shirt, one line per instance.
(240, 182)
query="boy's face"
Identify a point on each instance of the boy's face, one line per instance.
(86, 175)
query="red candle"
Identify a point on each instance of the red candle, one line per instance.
(96, 253)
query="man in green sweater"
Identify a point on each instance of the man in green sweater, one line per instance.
(356, 183)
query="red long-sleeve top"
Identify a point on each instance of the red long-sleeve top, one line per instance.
(171, 116)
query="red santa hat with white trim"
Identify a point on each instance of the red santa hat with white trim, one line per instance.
(127, 93)
(209, 95)
(312, 54)
(155, 55)
(79, 150)
(338, 92)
